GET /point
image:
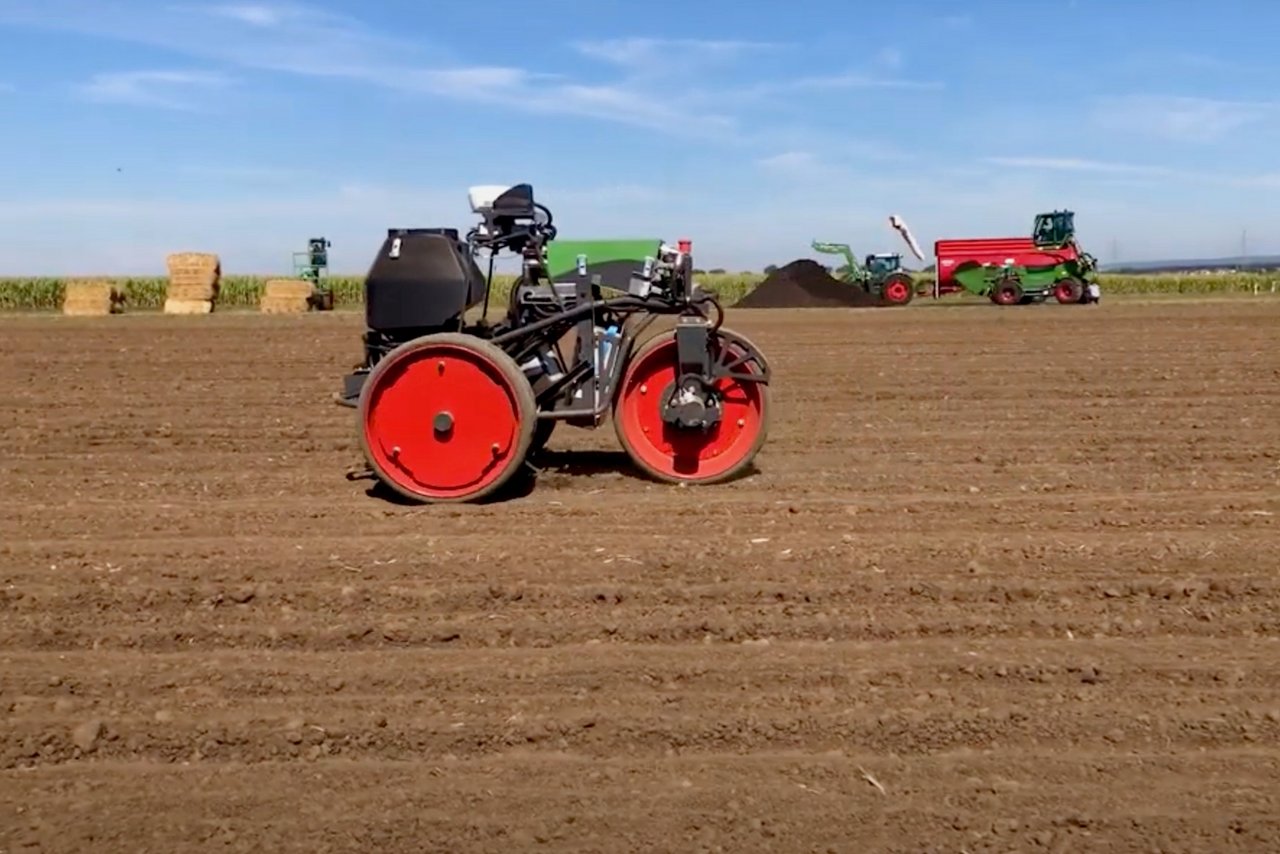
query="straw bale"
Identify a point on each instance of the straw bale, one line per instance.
(285, 304)
(194, 275)
(188, 306)
(205, 261)
(183, 291)
(288, 287)
(286, 296)
(92, 298)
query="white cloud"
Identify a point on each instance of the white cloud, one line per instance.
(838, 156)
(790, 162)
(299, 39)
(849, 80)
(836, 164)
(643, 51)
(291, 38)
(1137, 174)
(1075, 164)
(1181, 119)
(1270, 181)
(175, 90)
(537, 93)
(306, 41)
(255, 15)
(889, 57)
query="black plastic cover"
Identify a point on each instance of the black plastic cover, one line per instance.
(421, 278)
(516, 203)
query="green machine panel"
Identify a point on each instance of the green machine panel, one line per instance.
(614, 261)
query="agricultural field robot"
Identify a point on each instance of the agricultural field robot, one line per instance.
(880, 275)
(1019, 270)
(449, 409)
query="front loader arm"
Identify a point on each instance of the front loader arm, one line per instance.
(844, 249)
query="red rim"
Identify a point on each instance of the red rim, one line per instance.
(442, 421)
(688, 455)
(1066, 292)
(896, 292)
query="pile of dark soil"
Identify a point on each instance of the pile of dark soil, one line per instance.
(805, 284)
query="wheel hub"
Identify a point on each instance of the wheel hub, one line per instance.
(691, 404)
(657, 415)
(443, 422)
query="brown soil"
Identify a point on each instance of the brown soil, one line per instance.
(805, 284)
(1006, 581)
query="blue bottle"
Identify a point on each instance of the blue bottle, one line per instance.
(607, 342)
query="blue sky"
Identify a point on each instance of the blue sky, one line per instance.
(132, 129)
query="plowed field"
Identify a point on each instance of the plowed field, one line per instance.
(1006, 580)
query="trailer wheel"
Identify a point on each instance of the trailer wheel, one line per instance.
(446, 418)
(898, 289)
(1006, 292)
(1068, 291)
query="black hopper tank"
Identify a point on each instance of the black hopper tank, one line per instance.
(421, 279)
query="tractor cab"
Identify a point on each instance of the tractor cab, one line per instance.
(883, 265)
(311, 265)
(1054, 229)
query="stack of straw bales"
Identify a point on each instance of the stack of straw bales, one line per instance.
(194, 280)
(92, 298)
(287, 296)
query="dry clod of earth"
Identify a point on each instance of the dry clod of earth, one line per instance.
(262, 656)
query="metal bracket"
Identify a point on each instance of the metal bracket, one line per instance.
(691, 346)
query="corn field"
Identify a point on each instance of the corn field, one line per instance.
(141, 294)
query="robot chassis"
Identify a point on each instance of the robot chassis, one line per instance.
(450, 410)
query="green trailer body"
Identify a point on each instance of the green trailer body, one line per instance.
(613, 260)
(978, 278)
(1013, 283)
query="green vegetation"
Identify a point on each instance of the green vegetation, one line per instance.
(45, 294)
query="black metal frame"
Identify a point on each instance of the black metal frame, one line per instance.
(675, 295)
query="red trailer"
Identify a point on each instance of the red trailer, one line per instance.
(949, 254)
(1017, 269)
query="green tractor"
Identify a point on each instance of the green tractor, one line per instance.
(311, 266)
(880, 275)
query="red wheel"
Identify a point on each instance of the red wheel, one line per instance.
(898, 290)
(676, 455)
(1068, 291)
(446, 418)
(1007, 292)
